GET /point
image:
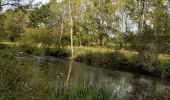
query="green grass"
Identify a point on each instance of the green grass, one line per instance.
(36, 49)
(83, 50)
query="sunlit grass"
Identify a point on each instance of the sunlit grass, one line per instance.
(10, 43)
(164, 57)
(85, 49)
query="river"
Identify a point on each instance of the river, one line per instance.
(129, 85)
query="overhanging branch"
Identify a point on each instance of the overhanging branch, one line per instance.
(11, 4)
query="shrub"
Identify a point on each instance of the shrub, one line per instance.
(108, 59)
(39, 36)
(26, 48)
(57, 52)
(163, 67)
(12, 78)
(3, 46)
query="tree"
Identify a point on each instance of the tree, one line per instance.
(102, 16)
(71, 27)
(60, 11)
(15, 23)
(152, 21)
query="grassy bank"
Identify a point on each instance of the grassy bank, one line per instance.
(122, 60)
(99, 57)
(21, 81)
(20, 49)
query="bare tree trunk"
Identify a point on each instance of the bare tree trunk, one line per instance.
(71, 29)
(101, 39)
(126, 23)
(79, 39)
(62, 26)
(22, 24)
(81, 13)
(142, 16)
(143, 13)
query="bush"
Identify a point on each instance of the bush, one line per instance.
(26, 48)
(39, 36)
(123, 62)
(3, 46)
(57, 52)
(163, 67)
(108, 59)
(117, 59)
(12, 78)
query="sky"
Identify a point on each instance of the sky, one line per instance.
(43, 1)
(26, 1)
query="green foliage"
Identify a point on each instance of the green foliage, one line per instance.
(42, 37)
(34, 39)
(152, 37)
(14, 23)
(96, 22)
(2, 46)
(57, 52)
(12, 78)
(120, 24)
(163, 67)
(122, 61)
(102, 19)
(110, 59)
(42, 17)
(2, 18)
(26, 48)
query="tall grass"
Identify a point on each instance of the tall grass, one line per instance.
(75, 92)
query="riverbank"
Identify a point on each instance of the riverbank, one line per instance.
(20, 81)
(100, 57)
(122, 60)
(28, 77)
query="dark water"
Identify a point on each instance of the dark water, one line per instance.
(129, 85)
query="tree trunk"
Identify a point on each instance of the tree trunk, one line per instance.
(62, 26)
(79, 39)
(126, 24)
(142, 16)
(101, 39)
(22, 25)
(71, 29)
(142, 4)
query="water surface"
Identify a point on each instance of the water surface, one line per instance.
(128, 85)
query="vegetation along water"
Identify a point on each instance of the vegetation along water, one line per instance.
(84, 50)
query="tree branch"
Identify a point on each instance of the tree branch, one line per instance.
(11, 4)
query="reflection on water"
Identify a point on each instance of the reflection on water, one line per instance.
(131, 86)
